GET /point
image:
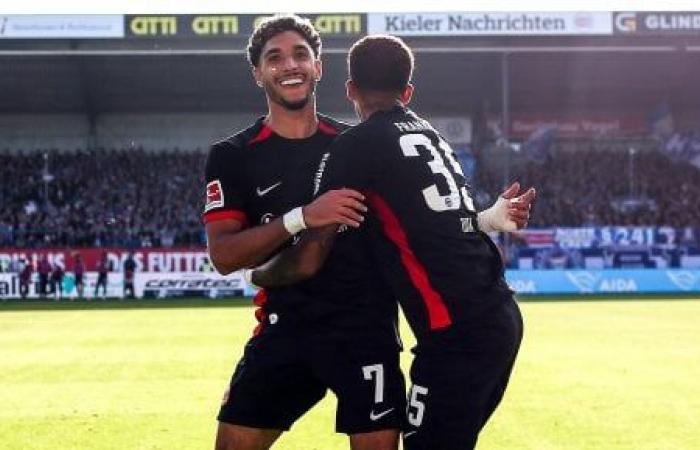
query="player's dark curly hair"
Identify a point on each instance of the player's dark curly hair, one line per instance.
(380, 63)
(274, 25)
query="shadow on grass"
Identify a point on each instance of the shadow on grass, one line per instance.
(47, 305)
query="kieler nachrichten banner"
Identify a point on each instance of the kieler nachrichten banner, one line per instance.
(491, 23)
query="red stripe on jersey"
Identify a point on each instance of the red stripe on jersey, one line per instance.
(215, 216)
(325, 128)
(437, 311)
(259, 300)
(265, 133)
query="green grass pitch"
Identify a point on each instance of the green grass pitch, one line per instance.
(592, 374)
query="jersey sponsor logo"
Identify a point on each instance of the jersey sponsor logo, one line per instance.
(267, 190)
(215, 196)
(376, 416)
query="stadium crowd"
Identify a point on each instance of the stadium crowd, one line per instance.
(126, 198)
(136, 198)
(599, 186)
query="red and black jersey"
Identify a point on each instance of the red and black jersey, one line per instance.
(258, 175)
(423, 228)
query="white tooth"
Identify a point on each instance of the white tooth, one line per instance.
(291, 81)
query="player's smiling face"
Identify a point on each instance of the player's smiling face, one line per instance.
(288, 70)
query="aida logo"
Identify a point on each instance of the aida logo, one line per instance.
(523, 286)
(618, 285)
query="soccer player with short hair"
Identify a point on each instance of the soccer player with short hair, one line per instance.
(431, 246)
(334, 331)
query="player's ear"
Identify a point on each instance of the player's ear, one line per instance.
(350, 90)
(319, 69)
(257, 75)
(407, 94)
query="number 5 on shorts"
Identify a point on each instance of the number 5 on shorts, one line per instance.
(416, 407)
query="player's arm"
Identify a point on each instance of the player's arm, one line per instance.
(297, 263)
(346, 166)
(232, 244)
(232, 247)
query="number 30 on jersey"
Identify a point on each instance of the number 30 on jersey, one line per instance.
(410, 143)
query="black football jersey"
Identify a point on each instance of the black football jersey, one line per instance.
(422, 227)
(258, 175)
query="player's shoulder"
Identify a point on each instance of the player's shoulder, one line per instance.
(378, 126)
(331, 125)
(242, 139)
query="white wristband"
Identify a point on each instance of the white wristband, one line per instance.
(248, 277)
(294, 221)
(496, 217)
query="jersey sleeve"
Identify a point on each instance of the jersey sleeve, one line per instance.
(349, 163)
(223, 196)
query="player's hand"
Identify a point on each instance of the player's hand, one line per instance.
(518, 210)
(510, 212)
(340, 207)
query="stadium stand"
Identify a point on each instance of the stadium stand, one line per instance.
(127, 198)
(590, 184)
(137, 198)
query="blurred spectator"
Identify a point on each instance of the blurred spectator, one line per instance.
(44, 270)
(79, 272)
(206, 266)
(103, 269)
(129, 272)
(25, 277)
(57, 281)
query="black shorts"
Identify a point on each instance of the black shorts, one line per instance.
(281, 376)
(458, 385)
(78, 278)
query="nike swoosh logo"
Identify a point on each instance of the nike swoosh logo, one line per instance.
(405, 435)
(262, 192)
(374, 417)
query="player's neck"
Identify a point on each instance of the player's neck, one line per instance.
(293, 124)
(375, 105)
